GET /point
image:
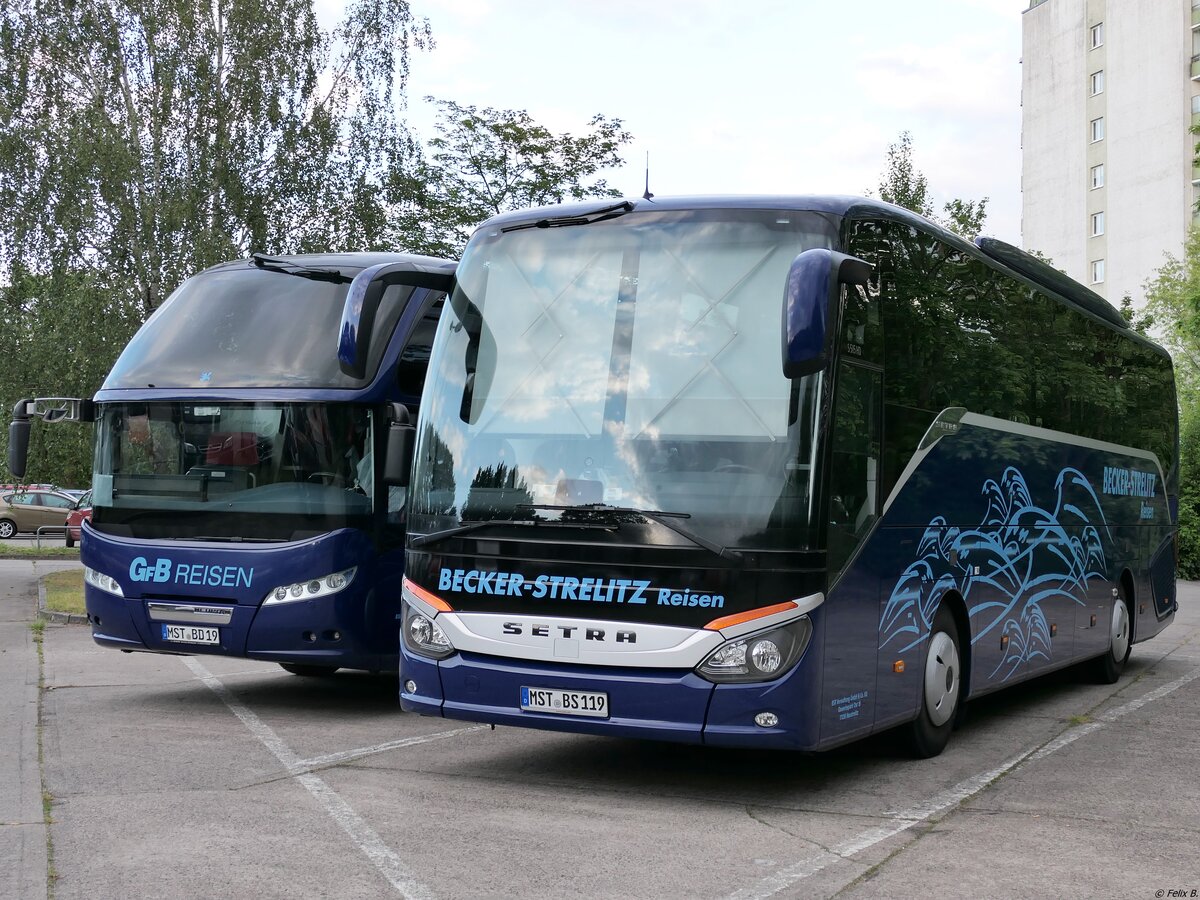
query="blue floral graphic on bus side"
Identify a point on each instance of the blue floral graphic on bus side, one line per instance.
(1020, 557)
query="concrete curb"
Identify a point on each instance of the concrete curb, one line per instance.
(53, 615)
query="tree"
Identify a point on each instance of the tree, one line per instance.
(905, 186)
(1173, 299)
(140, 143)
(61, 335)
(488, 161)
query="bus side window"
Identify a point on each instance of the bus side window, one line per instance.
(414, 358)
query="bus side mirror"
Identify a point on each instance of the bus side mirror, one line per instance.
(366, 293)
(812, 283)
(398, 455)
(18, 440)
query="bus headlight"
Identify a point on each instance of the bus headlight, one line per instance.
(103, 582)
(758, 657)
(312, 588)
(423, 636)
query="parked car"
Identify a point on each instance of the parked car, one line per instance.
(81, 512)
(29, 510)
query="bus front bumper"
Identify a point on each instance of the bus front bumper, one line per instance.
(313, 632)
(654, 704)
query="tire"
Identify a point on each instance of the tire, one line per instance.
(7, 529)
(942, 689)
(70, 540)
(1107, 669)
(308, 671)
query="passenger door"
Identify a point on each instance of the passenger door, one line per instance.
(854, 473)
(851, 611)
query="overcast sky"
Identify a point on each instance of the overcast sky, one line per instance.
(752, 96)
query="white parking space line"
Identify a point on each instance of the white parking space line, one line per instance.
(349, 755)
(964, 790)
(364, 837)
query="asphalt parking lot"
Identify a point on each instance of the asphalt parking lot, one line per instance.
(206, 777)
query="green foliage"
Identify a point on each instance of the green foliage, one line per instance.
(905, 186)
(1141, 321)
(142, 143)
(1173, 300)
(59, 334)
(488, 161)
(1189, 493)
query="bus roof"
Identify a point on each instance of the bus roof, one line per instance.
(1014, 261)
(349, 263)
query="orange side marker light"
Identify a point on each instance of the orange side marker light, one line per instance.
(427, 596)
(749, 615)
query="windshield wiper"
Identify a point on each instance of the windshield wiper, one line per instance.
(660, 517)
(596, 215)
(271, 264)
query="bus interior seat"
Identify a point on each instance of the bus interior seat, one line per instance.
(232, 448)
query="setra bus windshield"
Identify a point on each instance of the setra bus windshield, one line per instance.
(629, 363)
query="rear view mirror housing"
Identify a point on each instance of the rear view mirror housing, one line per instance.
(48, 409)
(812, 286)
(401, 438)
(364, 296)
(18, 440)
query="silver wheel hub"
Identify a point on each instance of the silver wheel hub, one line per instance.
(1119, 636)
(941, 678)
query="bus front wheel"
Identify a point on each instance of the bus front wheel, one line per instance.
(307, 670)
(941, 689)
(1107, 669)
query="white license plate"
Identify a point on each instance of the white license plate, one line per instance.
(191, 634)
(570, 703)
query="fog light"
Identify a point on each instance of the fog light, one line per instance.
(410, 687)
(766, 720)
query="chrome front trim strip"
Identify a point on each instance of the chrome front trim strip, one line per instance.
(595, 642)
(200, 615)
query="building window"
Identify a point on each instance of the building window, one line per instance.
(1097, 224)
(1097, 35)
(1196, 104)
(1097, 271)
(1098, 129)
(1098, 176)
(1098, 82)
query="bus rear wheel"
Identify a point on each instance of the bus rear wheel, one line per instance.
(308, 671)
(941, 689)
(1107, 669)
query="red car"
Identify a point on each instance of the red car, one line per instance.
(80, 513)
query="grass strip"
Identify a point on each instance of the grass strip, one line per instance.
(64, 591)
(39, 633)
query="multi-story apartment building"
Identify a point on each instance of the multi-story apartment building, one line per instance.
(1109, 91)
